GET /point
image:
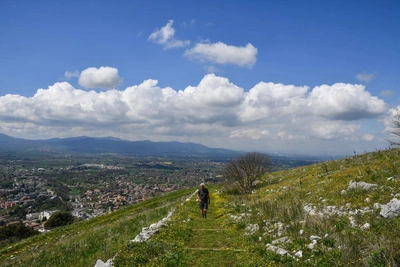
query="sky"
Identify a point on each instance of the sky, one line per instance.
(298, 77)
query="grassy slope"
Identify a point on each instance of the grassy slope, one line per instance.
(276, 206)
(83, 243)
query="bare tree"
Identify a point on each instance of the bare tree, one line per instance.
(246, 169)
(396, 131)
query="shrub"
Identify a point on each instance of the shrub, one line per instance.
(59, 219)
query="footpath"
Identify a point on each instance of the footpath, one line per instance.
(215, 240)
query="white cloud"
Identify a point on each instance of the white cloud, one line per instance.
(368, 137)
(345, 102)
(165, 37)
(366, 77)
(103, 77)
(220, 53)
(70, 74)
(386, 93)
(333, 130)
(273, 102)
(216, 112)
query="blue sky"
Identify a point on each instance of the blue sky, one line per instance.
(272, 76)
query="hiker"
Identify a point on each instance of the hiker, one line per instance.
(204, 198)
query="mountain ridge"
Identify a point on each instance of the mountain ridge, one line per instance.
(85, 144)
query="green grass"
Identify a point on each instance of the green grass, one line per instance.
(81, 244)
(276, 206)
(194, 241)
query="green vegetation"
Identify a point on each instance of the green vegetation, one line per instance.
(308, 213)
(59, 219)
(83, 243)
(14, 232)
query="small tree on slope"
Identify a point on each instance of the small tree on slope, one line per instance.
(246, 169)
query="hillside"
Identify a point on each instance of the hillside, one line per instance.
(307, 216)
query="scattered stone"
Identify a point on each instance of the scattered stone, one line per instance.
(366, 226)
(314, 237)
(299, 254)
(251, 229)
(280, 227)
(282, 240)
(277, 250)
(312, 244)
(361, 185)
(352, 221)
(100, 263)
(391, 209)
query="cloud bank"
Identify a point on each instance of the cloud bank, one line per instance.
(215, 112)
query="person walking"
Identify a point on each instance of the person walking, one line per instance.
(203, 196)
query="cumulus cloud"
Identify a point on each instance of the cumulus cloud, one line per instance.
(345, 102)
(273, 102)
(220, 53)
(165, 37)
(365, 76)
(215, 112)
(103, 77)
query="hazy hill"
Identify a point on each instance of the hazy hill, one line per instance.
(318, 215)
(111, 145)
(86, 144)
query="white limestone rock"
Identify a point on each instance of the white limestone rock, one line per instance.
(391, 209)
(277, 250)
(251, 229)
(299, 254)
(282, 240)
(361, 185)
(100, 263)
(366, 226)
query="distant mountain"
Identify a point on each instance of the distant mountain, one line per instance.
(146, 148)
(84, 144)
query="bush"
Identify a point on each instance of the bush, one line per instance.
(59, 219)
(15, 232)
